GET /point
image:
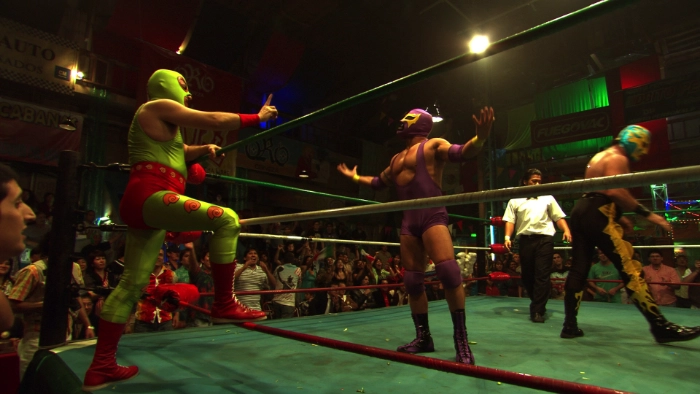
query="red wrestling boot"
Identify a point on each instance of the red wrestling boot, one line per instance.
(226, 308)
(104, 369)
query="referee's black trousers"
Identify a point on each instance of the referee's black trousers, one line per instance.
(536, 253)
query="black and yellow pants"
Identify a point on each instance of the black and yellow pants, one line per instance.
(594, 223)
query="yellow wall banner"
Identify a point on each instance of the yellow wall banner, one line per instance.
(37, 58)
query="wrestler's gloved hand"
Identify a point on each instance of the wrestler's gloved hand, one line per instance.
(182, 237)
(499, 276)
(195, 174)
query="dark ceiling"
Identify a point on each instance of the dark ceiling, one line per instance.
(327, 50)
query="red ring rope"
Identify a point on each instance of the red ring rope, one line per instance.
(498, 375)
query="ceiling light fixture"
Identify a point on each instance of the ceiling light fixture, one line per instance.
(434, 111)
(68, 123)
(479, 44)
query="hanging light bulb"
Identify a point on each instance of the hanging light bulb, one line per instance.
(68, 123)
(434, 111)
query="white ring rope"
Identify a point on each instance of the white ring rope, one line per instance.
(339, 241)
(645, 247)
(673, 175)
(350, 241)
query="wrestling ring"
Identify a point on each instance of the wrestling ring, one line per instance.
(513, 355)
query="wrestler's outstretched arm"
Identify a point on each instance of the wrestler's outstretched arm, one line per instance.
(377, 182)
(455, 153)
(169, 111)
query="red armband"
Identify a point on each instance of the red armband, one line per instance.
(248, 120)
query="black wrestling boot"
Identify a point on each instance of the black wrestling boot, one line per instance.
(424, 341)
(571, 330)
(572, 301)
(663, 330)
(537, 318)
(464, 353)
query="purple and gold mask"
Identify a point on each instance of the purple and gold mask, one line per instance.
(416, 123)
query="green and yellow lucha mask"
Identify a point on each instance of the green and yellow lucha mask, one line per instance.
(168, 84)
(635, 140)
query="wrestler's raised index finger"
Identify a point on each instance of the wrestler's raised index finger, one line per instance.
(269, 99)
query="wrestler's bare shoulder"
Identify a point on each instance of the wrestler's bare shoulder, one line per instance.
(161, 105)
(606, 163)
(151, 122)
(434, 143)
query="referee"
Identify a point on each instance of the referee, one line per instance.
(534, 219)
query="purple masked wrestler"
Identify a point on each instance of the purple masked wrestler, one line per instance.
(417, 173)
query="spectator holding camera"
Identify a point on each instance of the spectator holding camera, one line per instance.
(252, 275)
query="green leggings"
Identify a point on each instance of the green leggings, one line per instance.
(167, 210)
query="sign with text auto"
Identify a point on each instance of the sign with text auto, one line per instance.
(578, 126)
(37, 58)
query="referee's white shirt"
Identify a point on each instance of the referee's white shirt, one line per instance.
(533, 215)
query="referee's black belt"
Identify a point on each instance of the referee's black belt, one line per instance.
(533, 235)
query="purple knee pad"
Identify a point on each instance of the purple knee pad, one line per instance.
(449, 274)
(414, 282)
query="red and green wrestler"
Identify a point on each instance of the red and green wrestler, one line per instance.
(154, 202)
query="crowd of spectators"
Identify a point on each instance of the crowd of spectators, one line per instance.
(604, 279)
(307, 264)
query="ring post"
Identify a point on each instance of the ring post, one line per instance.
(57, 294)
